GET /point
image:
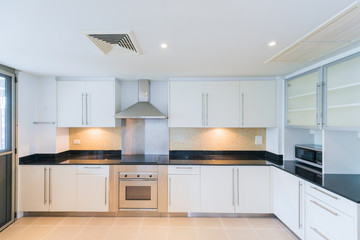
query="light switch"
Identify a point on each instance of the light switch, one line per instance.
(76, 142)
(258, 140)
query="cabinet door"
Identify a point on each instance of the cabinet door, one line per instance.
(100, 103)
(217, 189)
(222, 104)
(62, 188)
(253, 195)
(186, 104)
(184, 193)
(71, 104)
(33, 189)
(92, 193)
(258, 103)
(288, 200)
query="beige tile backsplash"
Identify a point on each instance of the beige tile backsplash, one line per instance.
(95, 138)
(216, 139)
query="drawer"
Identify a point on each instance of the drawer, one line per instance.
(183, 169)
(332, 199)
(326, 222)
(92, 169)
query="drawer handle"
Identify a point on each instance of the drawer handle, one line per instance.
(321, 234)
(317, 189)
(325, 208)
(183, 167)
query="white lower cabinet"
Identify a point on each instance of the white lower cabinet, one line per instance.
(325, 222)
(92, 188)
(229, 189)
(288, 200)
(184, 189)
(47, 188)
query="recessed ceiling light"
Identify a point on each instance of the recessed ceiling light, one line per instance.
(163, 45)
(272, 43)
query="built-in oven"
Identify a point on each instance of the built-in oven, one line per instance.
(138, 191)
(309, 173)
(309, 154)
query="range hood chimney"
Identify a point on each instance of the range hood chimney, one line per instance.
(143, 108)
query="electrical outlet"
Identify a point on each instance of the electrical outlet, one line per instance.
(258, 140)
(76, 142)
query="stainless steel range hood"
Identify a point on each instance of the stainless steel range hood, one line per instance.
(143, 108)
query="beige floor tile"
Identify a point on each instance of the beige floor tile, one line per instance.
(26, 221)
(93, 233)
(183, 233)
(208, 222)
(242, 234)
(34, 233)
(236, 223)
(273, 234)
(123, 233)
(64, 233)
(48, 221)
(128, 221)
(11, 231)
(265, 223)
(78, 221)
(182, 222)
(291, 235)
(102, 221)
(151, 233)
(212, 234)
(155, 222)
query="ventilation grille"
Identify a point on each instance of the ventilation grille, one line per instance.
(107, 42)
(339, 31)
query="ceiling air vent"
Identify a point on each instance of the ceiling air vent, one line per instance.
(341, 30)
(106, 42)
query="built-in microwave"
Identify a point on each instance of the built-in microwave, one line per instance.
(309, 154)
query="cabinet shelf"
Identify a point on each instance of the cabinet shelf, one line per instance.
(302, 95)
(302, 110)
(344, 86)
(344, 105)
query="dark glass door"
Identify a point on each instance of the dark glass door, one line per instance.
(6, 150)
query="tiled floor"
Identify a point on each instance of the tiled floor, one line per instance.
(146, 228)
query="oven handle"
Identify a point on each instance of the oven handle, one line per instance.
(138, 179)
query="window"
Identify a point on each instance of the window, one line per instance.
(5, 113)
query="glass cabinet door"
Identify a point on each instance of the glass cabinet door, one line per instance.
(343, 93)
(302, 100)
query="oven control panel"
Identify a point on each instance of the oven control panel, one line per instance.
(138, 175)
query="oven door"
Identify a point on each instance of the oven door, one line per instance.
(137, 194)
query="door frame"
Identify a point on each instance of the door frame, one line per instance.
(13, 146)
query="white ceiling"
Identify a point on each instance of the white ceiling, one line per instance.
(205, 37)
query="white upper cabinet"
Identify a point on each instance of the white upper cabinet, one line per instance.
(186, 104)
(258, 103)
(222, 104)
(303, 100)
(88, 103)
(342, 93)
(219, 104)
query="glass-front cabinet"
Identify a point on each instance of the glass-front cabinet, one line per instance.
(342, 99)
(303, 100)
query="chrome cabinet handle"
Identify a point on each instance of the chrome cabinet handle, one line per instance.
(82, 108)
(320, 233)
(334, 197)
(92, 167)
(317, 105)
(233, 187)
(207, 109)
(50, 198)
(87, 112)
(45, 200)
(105, 191)
(325, 208)
(169, 191)
(242, 109)
(183, 167)
(300, 205)
(203, 110)
(238, 188)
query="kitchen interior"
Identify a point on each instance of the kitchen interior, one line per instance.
(106, 144)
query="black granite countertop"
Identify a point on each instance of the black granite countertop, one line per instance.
(345, 185)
